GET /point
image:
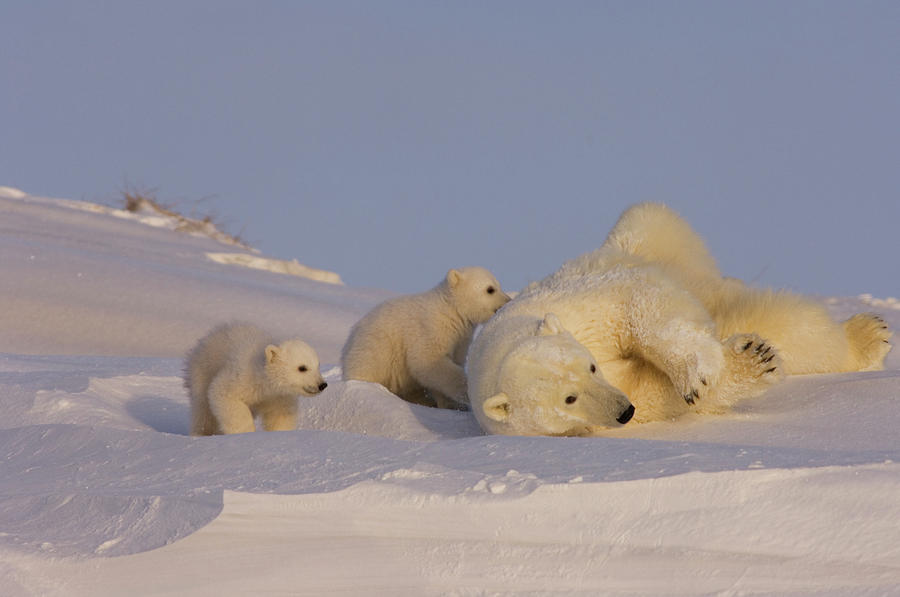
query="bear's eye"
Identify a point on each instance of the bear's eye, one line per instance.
(302, 369)
(491, 290)
(593, 368)
(571, 399)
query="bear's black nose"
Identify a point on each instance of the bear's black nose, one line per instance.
(626, 416)
(324, 385)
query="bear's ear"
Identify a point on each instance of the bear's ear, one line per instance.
(271, 353)
(496, 407)
(550, 326)
(453, 277)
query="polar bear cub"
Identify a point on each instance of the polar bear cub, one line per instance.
(647, 327)
(237, 373)
(414, 345)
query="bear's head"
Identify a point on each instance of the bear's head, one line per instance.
(292, 368)
(549, 384)
(475, 292)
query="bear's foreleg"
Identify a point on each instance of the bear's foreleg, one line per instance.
(441, 401)
(751, 366)
(693, 359)
(232, 415)
(279, 415)
(672, 330)
(441, 375)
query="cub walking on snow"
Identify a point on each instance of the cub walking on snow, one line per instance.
(237, 372)
(415, 345)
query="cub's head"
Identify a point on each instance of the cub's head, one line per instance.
(550, 385)
(292, 367)
(476, 293)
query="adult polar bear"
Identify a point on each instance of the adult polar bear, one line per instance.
(648, 321)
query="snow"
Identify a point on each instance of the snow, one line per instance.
(103, 493)
(280, 266)
(887, 303)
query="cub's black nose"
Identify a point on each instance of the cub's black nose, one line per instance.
(324, 385)
(626, 416)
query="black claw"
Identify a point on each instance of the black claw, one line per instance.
(703, 381)
(747, 345)
(770, 370)
(769, 359)
(695, 394)
(688, 398)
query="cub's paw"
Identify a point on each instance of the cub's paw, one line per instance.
(869, 337)
(752, 358)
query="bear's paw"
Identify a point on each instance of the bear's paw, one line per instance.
(869, 337)
(754, 358)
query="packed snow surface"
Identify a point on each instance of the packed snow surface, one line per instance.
(102, 492)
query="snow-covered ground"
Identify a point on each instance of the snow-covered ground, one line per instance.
(103, 493)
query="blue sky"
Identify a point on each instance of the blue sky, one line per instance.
(390, 141)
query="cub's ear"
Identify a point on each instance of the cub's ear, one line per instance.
(496, 407)
(272, 353)
(550, 326)
(453, 278)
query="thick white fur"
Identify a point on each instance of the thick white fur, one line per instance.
(414, 345)
(237, 372)
(664, 329)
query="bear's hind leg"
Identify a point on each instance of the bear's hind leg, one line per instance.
(202, 420)
(659, 235)
(869, 338)
(197, 385)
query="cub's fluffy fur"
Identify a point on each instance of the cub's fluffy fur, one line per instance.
(237, 373)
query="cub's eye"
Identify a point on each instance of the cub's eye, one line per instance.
(571, 399)
(491, 290)
(302, 369)
(593, 368)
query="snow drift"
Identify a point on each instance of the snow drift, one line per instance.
(102, 492)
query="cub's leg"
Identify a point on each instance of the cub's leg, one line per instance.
(416, 394)
(279, 415)
(231, 413)
(869, 339)
(440, 374)
(202, 420)
(197, 384)
(441, 401)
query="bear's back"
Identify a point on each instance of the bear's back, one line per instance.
(237, 344)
